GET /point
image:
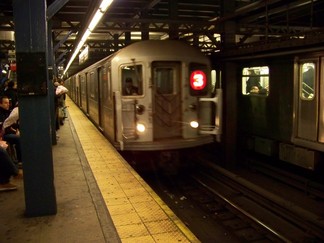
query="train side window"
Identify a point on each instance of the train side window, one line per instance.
(132, 80)
(82, 84)
(104, 80)
(92, 85)
(307, 77)
(255, 81)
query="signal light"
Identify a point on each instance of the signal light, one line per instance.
(198, 83)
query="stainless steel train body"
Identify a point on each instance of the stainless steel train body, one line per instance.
(285, 118)
(158, 116)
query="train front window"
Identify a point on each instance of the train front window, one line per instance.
(132, 80)
(164, 80)
(255, 81)
(307, 75)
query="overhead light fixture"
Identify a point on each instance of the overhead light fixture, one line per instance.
(104, 5)
(93, 23)
(96, 18)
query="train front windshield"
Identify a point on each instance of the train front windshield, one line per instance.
(132, 80)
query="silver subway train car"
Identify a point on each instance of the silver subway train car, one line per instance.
(284, 116)
(150, 96)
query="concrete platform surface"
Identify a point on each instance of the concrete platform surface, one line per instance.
(81, 213)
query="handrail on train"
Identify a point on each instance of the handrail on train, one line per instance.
(216, 128)
(118, 119)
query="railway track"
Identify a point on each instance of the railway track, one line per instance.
(244, 211)
(211, 199)
(255, 212)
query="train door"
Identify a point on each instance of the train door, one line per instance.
(77, 90)
(93, 95)
(106, 113)
(167, 121)
(321, 103)
(102, 86)
(307, 113)
(129, 95)
(83, 93)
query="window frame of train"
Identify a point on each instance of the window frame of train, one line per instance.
(307, 68)
(165, 76)
(260, 72)
(135, 72)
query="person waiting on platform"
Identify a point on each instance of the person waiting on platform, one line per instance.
(4, 109)
(11, 93)
(129, 88)
(7, 169)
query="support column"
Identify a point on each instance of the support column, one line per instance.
(229, 26)
(127, 38)
(116, 42)
(52, 72)
(230, 114)
(145, 33)
(230, 89)
(173, 15)
(34, 106)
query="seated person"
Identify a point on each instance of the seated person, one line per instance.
(129, 88)
(4, 108)
(11, 93)
(11, 134)
(7, 169)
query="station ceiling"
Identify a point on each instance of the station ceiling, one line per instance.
(252, 23)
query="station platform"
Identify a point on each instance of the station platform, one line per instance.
(100, 198)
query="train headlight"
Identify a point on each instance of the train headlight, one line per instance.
(140, 127)
(194, 124)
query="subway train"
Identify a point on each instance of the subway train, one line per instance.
(281, 106)
(154, 95)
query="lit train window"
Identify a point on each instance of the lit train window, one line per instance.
(307, 77)
(132, 80)
(255, 81)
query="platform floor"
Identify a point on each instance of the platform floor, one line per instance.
(100, 198)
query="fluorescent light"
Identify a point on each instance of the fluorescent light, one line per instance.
(94, 21)
(85, 35)
(105, 4)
